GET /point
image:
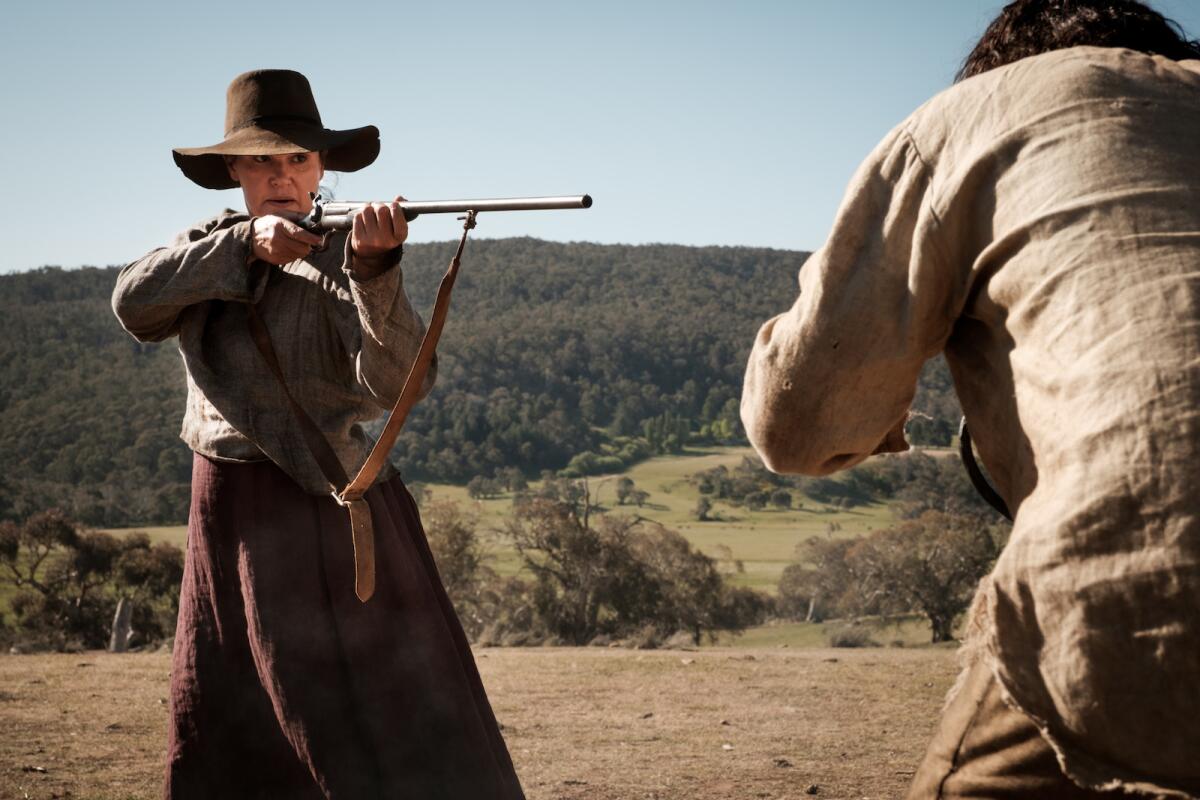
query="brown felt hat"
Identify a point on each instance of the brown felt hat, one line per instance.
(272, 112)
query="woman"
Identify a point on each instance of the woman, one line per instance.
(1039, 222)
(284, 683)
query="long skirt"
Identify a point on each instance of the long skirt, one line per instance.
(284, 685)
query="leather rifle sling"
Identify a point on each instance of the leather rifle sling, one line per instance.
(352, 496)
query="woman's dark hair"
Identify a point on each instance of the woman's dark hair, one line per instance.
(1029, 27)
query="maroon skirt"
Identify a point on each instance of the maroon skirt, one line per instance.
(284, 685)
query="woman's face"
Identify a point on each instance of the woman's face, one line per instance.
(275, 184)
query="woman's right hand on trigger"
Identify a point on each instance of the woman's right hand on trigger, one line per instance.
(280, 241)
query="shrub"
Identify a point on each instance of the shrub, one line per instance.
(781, 498)
(624, 489)
(849, 636)
(512, 479)
(647, 637)
(68, 581)
(589, 463)
(756, 501)
(480, 488)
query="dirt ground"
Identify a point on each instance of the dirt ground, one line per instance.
(592, 723)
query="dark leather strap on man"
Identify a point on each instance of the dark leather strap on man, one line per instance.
(967, 453)
(352, 492)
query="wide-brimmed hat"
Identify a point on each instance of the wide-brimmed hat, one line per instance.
(272, 112)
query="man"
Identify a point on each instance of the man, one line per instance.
(1039, 222)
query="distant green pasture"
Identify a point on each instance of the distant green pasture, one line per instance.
(173, 534)
(763, 541)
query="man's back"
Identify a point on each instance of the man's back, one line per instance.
(1041, 223)
(1077, 356)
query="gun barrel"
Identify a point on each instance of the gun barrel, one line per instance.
(340, 215)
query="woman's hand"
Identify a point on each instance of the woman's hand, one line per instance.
(280, 241)
(378, 230)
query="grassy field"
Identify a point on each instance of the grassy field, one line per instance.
(594, 723)
(764, 541)
(908, 631)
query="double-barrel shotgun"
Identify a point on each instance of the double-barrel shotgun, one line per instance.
(334, 216)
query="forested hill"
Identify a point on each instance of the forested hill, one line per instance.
(576, 356)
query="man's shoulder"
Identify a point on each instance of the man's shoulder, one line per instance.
(1093, 72)
(1061, 84)
(1072, 74)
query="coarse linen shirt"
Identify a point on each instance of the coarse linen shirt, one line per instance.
(1040, 223)
(345, 346)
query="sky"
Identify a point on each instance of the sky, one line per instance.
(698, 123)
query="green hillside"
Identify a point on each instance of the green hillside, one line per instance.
(605, 354)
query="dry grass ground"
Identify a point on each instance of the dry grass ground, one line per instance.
(590, 723)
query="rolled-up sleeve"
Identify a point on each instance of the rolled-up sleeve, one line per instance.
(208, 262)
(830, 381)
(391, 332)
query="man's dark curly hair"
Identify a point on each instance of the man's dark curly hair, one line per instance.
(1029, 27)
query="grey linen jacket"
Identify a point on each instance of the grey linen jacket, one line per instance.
(1040, 223)
(345, 346)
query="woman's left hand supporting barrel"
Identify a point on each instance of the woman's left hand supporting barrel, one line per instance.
(378, 230)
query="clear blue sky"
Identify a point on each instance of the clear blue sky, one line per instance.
(696, 123)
